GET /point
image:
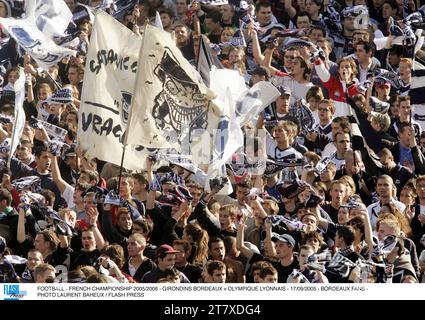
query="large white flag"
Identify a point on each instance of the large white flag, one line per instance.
(172, 106)
(19, 123)
(174, 109)
(109, 80)
(38, 44)
(52, 17)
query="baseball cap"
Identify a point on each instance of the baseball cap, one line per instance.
(165, 249)
(284, 91)
(284, 238)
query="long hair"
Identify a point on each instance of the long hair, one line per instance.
(306, 66)
(200, 241)
(352, 64)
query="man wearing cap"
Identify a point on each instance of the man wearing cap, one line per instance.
(383, 89)
(166, 256)
(277, 110)
(284, 246)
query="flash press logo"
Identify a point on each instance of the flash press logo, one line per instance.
(12, 292)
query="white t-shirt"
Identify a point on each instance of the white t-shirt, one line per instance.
(68, 195)
(298, 90)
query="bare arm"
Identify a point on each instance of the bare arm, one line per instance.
(56, 174)
(20, 235)
(64, 242)
(267, 62)
(268, 239)
(150, 201)
(246, 252)
(93, 215)
(30, 91)
(290, 9)
(256, 49)
(367, 229)
(3, 134)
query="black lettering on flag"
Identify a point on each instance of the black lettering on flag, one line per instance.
(107, 127)
(100, 126)
(86, 121)
(96, 121)
(109, 58)
(102, 106)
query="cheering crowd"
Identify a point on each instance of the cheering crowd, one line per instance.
(334, 193)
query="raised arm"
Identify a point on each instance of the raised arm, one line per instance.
(93, 214)
(290, 9)
(256, 49)
(321, 70)
(268, 239)
(20, 234)
(150, 201)
(267, 62)
(56, 174)
(240, 245)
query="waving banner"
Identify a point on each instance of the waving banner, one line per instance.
(107, 92)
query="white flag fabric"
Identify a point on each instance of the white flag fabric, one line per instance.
(158, 22)
(172, 106)
(53, 131)
(35, 42)
(228, 138)
(214, 2)
(19, 123)
(253, 101)
(52, 17)
(109, 80)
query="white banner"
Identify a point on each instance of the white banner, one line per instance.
(214, 2)
(172, 106)
(107, 92)
(52, 17)
(19, 123)
(35, 42)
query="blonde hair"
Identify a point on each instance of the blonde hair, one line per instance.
(383, 120)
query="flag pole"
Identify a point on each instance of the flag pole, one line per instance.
(131, 110)
(58, 86)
